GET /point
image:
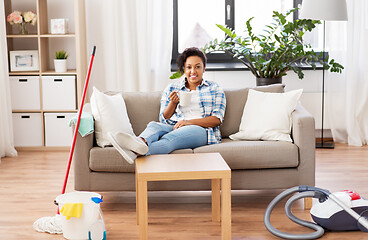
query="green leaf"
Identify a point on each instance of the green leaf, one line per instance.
(298, 71)
(176, 75)
(61, 54)
(249, 27)
(226, 30)
(270, 27)
(277, 38)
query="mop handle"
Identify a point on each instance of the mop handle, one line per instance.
(78, 121)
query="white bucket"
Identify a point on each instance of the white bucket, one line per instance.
(77, 228)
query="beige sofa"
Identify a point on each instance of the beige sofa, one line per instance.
(254, 164)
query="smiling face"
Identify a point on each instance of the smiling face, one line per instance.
(194, 70)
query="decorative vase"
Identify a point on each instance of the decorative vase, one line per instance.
(22, 29)
(268, 81)
(60, 65)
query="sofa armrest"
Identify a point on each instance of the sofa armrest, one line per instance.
(83, 145)
(303, 134)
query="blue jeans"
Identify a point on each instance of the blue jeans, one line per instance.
(162, 138)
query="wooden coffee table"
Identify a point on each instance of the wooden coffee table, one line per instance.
(185, 167)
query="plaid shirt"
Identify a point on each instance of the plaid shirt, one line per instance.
(212, 102)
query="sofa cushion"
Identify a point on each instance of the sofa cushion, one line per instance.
(255, 154)
(235, 102)
(110, 114)
(267, 116)
(142, 108)
(108, 159)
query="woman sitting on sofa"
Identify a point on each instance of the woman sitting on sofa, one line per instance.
(180, 126)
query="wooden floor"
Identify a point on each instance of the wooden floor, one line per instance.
(30, 182)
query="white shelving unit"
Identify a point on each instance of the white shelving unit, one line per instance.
(45, 94)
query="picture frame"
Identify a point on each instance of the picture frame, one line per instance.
(24, 61)
(59, 26)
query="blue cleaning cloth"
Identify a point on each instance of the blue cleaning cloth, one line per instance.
(86, 125)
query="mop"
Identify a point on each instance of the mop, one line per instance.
(53, 224)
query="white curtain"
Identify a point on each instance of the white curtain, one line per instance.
(137, 43)
(347, 98)
(6, 128)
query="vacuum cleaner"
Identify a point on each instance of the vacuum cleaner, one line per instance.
(340, 211)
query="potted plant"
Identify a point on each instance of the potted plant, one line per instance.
(60, 61)
(271, 55)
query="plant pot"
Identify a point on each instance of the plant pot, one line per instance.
(268, 81)
(60, 65)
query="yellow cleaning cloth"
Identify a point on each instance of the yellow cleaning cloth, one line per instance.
(72, 210)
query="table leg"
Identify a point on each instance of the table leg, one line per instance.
(308, 203)
(226, 208)
(136, 198)
(143, 209)
(215, 185)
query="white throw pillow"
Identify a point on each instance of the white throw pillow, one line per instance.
(110, 115)
(267, 116)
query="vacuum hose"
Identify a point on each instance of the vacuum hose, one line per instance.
(303, 192)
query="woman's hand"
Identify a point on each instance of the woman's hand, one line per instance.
(180, 124)
(174, 97)
(170, 109)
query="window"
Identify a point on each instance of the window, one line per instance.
(261, 10)
(195, 23)
(196, 28)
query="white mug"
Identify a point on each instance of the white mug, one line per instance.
(185, 98)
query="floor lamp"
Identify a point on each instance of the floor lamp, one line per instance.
(325, 10)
